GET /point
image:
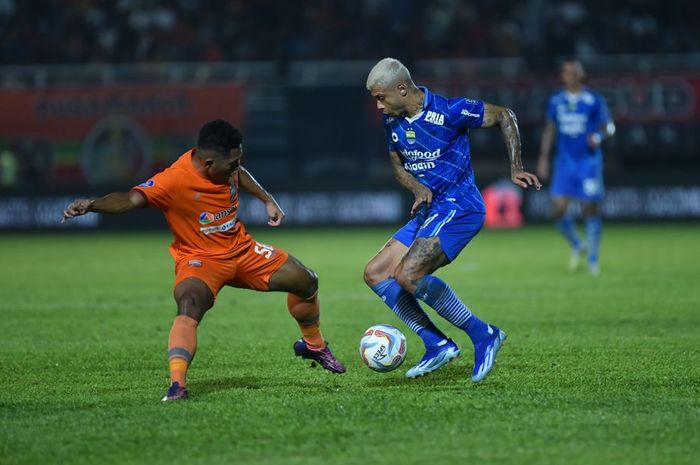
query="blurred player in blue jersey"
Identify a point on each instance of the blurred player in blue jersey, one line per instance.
(580, 119)
(428, 138)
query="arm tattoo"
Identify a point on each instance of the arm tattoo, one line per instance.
(511, 136)
(401, 175)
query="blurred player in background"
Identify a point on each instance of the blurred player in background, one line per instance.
(198, 195)
(428, 138)
(580, 119)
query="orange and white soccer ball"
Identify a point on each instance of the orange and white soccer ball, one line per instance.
(383, 348)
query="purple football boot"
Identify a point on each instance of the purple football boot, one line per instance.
(323, 357)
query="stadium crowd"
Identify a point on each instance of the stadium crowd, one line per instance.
(141, 31)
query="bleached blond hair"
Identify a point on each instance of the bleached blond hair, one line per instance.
(387, 72)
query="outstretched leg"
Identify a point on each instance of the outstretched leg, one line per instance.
(301, 284)
(193, 299)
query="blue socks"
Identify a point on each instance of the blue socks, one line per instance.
(407, 308)
(438, 294)
(594, 229)
(567, 227)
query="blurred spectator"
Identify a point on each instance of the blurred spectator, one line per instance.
(137, 31)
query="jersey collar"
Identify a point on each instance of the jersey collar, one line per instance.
(427, 100)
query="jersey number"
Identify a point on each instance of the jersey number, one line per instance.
(264, 250)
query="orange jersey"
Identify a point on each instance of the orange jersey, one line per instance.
(202, 215)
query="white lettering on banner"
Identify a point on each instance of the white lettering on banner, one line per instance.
(413, 155)
(220, 228)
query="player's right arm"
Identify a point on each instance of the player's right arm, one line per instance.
(114, 203)
(548, 134)
(421, 193)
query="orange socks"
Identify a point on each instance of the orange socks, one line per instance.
(181, 347)
(306, 312)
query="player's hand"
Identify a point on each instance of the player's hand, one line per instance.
(543, 168)
(524, 179)
(76, 208)
(422, 195)
(593, 139)
(275, 214)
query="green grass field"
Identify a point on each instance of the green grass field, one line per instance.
(596, 370)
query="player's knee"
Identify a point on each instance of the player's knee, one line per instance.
(192, 306)
(407, 280)
(373, 274)
(590, 209)
(308, 283)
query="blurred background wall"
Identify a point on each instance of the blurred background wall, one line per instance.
(97, 96)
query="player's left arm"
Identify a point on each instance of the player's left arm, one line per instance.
(246, 181)
(505, 119)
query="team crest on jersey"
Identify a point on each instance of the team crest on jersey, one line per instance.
(410, 136)
(435, 118)
(206, 217)
(149, 183)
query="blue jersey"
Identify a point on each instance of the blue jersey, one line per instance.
(434, 147)
(576, 116)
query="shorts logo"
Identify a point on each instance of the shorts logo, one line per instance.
(149, 183)
(206, 217)
(410, 136)
(591, 186)
(197, 263)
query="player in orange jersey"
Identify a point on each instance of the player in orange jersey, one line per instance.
(198, 194)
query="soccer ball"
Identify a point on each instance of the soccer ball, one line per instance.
(383, 348)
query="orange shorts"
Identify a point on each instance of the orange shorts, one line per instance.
(252, 268)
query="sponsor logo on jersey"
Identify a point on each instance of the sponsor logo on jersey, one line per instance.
(149, 183)
(206, 217)
(413, 155)
(420, 166)
(410, 136)
(435, 118)
(466, 112)
(394, 137)
(220, 228)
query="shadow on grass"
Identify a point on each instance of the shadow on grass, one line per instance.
(449, 377)
(229, 383)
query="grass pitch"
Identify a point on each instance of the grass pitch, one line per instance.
(595, 371)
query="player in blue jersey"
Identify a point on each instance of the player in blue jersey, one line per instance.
(428, 137)
(579, 117)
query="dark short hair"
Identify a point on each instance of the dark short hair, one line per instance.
(219, 136)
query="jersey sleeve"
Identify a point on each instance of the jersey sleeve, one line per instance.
(160, 189)
(466, 113)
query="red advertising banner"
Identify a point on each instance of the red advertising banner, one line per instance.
(159, 109)
(105, 135)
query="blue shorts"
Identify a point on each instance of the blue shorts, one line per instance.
(454, 227)
(582, 180)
